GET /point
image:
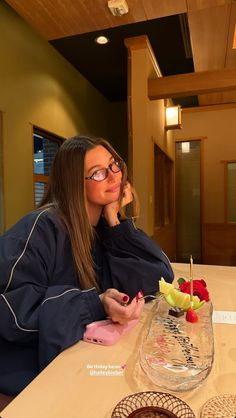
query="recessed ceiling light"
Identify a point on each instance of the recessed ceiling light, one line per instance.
(102, 40)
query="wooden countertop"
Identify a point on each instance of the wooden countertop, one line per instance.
(69, 387)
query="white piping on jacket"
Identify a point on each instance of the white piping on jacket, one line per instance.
(52, 297)
(11, 275)
(21, 255)
(165, 255)
(15, 318)
(66, 291)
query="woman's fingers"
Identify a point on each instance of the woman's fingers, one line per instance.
(111, 210)
(120, 297)
(116, 307)
(127, 195)
(137, 307)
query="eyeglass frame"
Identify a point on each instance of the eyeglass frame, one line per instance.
(118, 163)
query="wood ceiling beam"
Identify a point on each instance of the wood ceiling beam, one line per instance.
(192, 84)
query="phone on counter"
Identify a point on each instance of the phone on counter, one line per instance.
(106, 332)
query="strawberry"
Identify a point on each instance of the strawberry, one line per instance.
(191, 315)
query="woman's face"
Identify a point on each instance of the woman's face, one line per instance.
(100, 193)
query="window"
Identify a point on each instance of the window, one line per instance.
(163, 188)
(230, 171)
(45, 148)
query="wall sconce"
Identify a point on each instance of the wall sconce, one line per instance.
(173, 117)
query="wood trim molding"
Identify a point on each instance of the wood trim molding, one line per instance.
(209, 108)
(136, 42)
(142, 42)
(130, 116)
(41, 178)
(234, 38)
(219, 226)
(191, 138)
(192, 84)
(218, 243)
(225, 192)
(225, 162)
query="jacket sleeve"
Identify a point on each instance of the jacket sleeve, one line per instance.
(55, 318)
(34, 309)
(135, 261)
(63, 315)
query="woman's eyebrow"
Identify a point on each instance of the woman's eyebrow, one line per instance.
(98, 167)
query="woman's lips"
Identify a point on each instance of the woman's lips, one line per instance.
(114, 189)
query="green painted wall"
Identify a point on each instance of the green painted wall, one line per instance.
(39, 87)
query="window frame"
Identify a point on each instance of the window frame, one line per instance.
(163, 188)
(226, 220)
(43, 178)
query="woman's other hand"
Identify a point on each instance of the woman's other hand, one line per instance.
(110, 211)
(113, 302)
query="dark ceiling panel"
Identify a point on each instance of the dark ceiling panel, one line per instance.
(105, 66)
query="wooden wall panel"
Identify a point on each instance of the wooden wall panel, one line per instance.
(218, 244)
(163, 8)
(200, 82)
(205, 4)
(231, 53)
(57, 19)
(217, 98)
(209, 34)
(165, 237)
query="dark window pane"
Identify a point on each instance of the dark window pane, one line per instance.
(44, 152)
(45, 148)
(39, 189)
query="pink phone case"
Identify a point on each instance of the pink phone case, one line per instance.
(106, 332)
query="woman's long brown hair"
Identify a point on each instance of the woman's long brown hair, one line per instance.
(66, 193)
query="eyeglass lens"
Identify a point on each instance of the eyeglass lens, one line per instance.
(100, 175)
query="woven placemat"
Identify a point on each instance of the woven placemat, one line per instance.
(221, 406)
(152, 404)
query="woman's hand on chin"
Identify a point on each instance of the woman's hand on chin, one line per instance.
(113, 302)
(111, 210)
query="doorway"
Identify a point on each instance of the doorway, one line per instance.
(188, 201)
(164, 226)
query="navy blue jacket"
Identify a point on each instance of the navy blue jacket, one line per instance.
(42, 308)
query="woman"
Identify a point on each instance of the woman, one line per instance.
(72, 261)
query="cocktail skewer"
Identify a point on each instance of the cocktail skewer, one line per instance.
(191, 315)
(191, 281)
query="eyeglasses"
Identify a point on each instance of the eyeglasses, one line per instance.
(100, 175)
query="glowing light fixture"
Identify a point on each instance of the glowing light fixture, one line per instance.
(102, 40)
(185, 147)
(173, 117)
